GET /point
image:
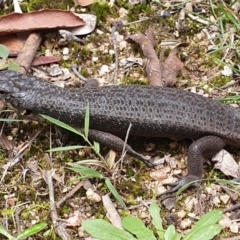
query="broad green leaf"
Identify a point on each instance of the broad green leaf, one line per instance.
(114, 192)
(206, 226)
(3, 64)
(67, 148)
(87, 121)
(154, 211)
(5, 233)
(103, 230)
(32, 230)
(63, 125)
(171, 234)
(204, 232)
(135, 226)
(4, 51)
(13, 66)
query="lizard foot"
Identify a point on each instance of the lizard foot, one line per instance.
(185, 182)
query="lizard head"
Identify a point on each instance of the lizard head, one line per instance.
(14, 87)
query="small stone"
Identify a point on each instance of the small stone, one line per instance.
(65, 51)
(95, 59)
(186, 223)
(227, 71)
(225, 198)
(158, 190)
(111, 52)
(216, 201)
(92, 196)
(158, 174)
(144, 215)
(234, 227)
(48, 53)
(55, 70)
(190, 202)
(181, 214)
(104, 69)
(225, 222)
(122, 45)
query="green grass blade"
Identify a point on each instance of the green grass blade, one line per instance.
(63, 125)
(96, 147)
(85, 171)
(9, 120)
(87, 121)
(67, 148)
(114, 192)
(32, 230)
(5, 233)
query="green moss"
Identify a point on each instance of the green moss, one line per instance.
(66, 210)
(133, 80)
(134, 11)
(220, 81)
(102, 10)
(34, 5)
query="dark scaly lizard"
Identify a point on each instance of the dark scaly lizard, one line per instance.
(152, 111)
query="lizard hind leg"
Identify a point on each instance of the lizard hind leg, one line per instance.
(117, 144)
(204, 147)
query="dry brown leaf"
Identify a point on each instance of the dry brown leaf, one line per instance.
(45, 60)
(45, 19)
(12, 43)
(152, 66)
(159, 72)
(172, 66)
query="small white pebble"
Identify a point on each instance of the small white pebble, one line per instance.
(65, 51)
(95, 59)
(144, 215)
(186, 223)
(111, 52)
(104, 69)
(224, 198)
(216, 201)
(92, 196)
(190, 202)
(33, 222)
(48, 53)
(181, 214)
(234, 227)
(227, 71)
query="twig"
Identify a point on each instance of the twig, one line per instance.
(112, 213)
(19, 209)
(76, 72)
(230, 84)
(70, 193)
(27, 53)
(124, 146)
(115, 27)
(58, 226)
